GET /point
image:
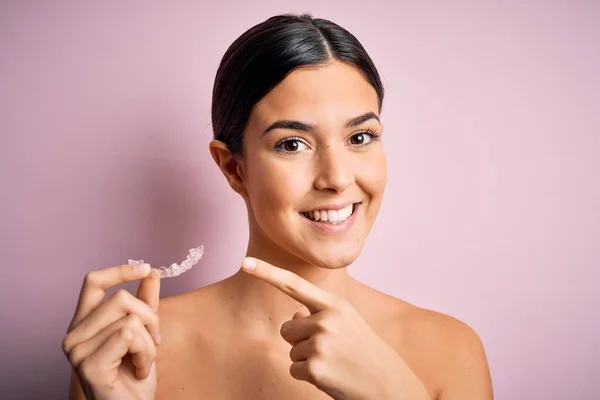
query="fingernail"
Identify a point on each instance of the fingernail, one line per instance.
(249, 264)
(157, 337)
(142, 267)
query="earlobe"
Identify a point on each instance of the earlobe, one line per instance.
(229, 165)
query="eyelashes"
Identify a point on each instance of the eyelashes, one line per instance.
(293, 144)
(288, 142)
(373, 136)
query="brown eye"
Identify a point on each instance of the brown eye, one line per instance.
(290, 145)
(364, 138)
(359, 138)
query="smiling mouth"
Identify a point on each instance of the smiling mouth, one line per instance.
(332, 217)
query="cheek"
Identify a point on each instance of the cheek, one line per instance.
(373, 178)
(275, 186)
(373, 175)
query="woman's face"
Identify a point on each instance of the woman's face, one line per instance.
(314, 169)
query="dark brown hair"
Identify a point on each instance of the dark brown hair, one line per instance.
(265, 54)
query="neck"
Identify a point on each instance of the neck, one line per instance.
(260, 308)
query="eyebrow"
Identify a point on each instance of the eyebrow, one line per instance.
(301, 126)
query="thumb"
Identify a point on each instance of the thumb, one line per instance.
(149, 293)
(149, 290)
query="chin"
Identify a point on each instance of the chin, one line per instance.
(323, 251)
(333, 258)
(335, 263)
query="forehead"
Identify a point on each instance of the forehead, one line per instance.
(332, 92)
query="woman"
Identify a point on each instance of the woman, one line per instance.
(295, 112)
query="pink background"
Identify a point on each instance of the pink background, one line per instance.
(492, 129)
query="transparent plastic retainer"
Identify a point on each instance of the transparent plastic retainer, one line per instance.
(177, 269)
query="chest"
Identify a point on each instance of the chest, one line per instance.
(231, 374)
(220, 361)
(224, 371)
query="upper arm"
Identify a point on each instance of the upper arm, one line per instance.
(467, 374)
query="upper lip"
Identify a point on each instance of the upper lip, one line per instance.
(334, 207)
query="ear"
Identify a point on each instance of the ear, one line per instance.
(230, 166)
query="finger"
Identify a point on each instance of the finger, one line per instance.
(143, 359)
(300, 370)
(97, 282)
(102, 365)
(303, 350)
(116, 307)
(314, 298)
(298, 329)
(83, 350)
(149, 293)
(149, 290)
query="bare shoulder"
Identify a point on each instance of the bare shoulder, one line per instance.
(186, 317)
(422, 325)
(452, 335)
(449, 350)
(182, 313)
(188, 324)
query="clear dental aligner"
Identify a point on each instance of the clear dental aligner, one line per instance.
(177, 269)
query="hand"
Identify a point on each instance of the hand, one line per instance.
(334, 348)
(112, 344)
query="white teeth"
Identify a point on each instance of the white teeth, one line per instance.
(343, 214)
(331, 216)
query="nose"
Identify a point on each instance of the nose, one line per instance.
(334, 170)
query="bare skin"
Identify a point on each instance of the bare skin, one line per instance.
(227, 340)
(245, 357)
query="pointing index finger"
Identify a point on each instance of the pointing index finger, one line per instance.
(314, 298)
